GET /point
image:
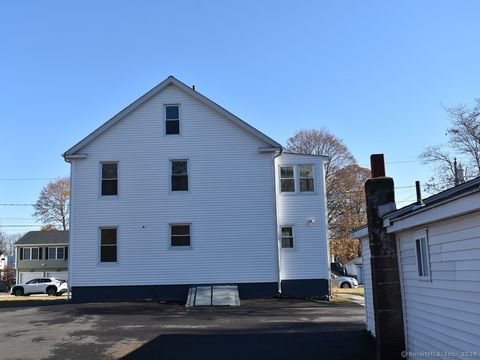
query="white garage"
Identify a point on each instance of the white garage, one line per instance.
(60, 275)
(24, 276)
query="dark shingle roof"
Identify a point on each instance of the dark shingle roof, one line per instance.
(43, 238)
(472, 185)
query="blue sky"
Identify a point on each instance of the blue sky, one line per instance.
(374, 73)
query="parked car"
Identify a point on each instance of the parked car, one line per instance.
(49, 286)
(343, 281)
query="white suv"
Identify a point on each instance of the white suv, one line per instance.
(49, 286)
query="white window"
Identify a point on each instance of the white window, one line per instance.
(56, 253)
(179, 235)
(108, 245)
(179, 181)
(30, 253)
(172, 119)
(287, 237)
(109, 179)
(306, 178)
(423, 255)
(287, 179)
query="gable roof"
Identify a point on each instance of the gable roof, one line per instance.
(168, 81)
(43, 238)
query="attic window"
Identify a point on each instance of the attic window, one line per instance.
(172, 120)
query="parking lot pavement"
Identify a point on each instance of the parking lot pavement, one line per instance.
(258, 329)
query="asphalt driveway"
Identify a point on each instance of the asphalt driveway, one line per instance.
(259, 329)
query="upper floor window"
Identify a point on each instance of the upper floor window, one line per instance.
(179, 175)
(109, 179)
(287, 237)
(30, 253)
(421, 250)
(55, 253)
(287, 179)
(172, 119)
(180, 234)
(108, 245)
(306, 178)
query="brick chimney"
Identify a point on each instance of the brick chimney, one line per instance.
(387, 301)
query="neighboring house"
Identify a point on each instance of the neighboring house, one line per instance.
(42, 254)
(438, 246)
(6, 260)
(175, 191)
(354, 268)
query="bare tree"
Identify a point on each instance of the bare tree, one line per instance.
(52, 206)
(463, 145)
(344, 187)
(7, 242)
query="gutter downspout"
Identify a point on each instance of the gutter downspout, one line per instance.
(70, 243)
(276, 155)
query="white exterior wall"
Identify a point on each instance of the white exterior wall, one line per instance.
(230, 203)
(309, 258)
(443, 314)
(367, 280)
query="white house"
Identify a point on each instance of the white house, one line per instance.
(175, 191)
(438, 246)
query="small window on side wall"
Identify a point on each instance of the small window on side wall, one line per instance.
(172, 119)
(179, 235)
(287, 179)
(287, 237)
(108, 245)
(423, 256)
(109, 179)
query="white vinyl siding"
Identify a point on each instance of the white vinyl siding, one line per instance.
(233, 231)
(309, 257)
(367, 282)
(443, 314)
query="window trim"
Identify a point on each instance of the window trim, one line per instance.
(99, 245)
(180, 247)
(170, 185)
(296, 174)
(300, 178)
(30, 257)
(280, 178)
(165, 119)
(100, 195)
(293, 237)
(56, 252)
(421, 255)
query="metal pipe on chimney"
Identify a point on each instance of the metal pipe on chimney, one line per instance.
(419, 193)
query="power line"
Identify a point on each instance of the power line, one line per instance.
(21, 226)
(10, 218)
(27, 179)
(16, 204)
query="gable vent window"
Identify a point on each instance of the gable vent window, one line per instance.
(423, 256)
(172, 120)
(287, 179)
(109, 179)
(306, 178)
(179, 175)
